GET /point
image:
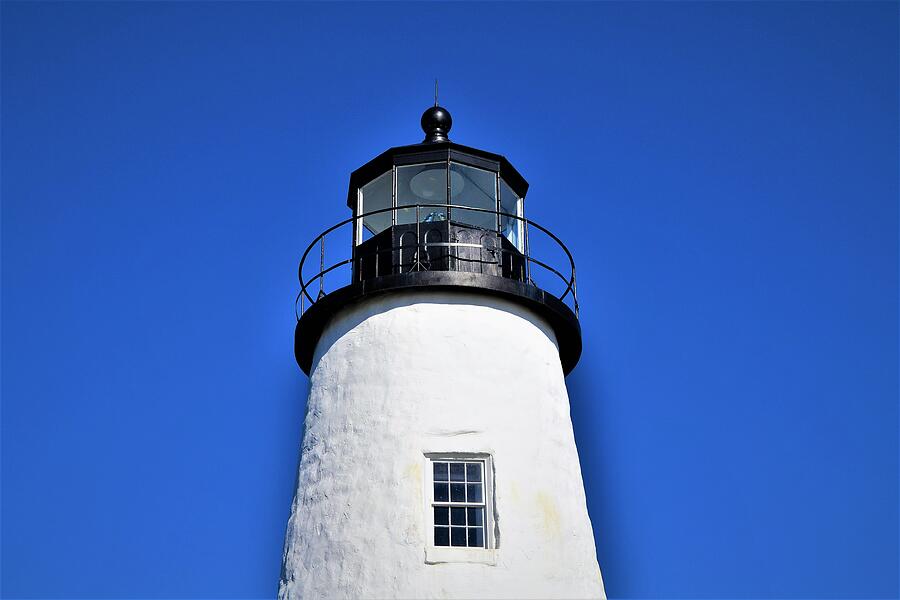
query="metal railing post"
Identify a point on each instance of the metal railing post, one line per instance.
(321, 266)
(574, 290)
(527, 254)
(418, 241)
(358, 263)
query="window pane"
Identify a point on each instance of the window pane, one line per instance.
(476, 516)
(474, 492)
(441, 536)
(422, 184)
(473, 187)
(440, 492)
(476, 537)
(440, 515)
(473, 472)
(457, 536)
(440, 471)
(510, 227)
(457, 492)
(457, 472)
(377, 195)
(457, 516)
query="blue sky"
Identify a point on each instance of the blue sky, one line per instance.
(725, 174)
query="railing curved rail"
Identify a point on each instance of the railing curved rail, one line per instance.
(303, 297)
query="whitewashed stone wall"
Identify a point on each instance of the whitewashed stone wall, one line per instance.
(406, 374)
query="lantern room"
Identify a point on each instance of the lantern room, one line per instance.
(433, 194)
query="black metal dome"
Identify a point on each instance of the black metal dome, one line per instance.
(436, 123)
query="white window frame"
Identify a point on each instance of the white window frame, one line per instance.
(460, 554)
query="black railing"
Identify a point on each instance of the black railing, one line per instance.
(422, 256)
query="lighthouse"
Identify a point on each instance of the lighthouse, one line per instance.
(438, 457)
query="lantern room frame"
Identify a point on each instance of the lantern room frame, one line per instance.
(435, 153)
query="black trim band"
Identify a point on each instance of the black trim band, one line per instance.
(557, 313)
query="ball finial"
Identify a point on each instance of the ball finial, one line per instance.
(436, 123)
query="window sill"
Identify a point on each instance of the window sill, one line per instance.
(436, 555)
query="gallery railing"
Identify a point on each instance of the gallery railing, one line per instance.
(454, 255)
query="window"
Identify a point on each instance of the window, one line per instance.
(460, 489)
(376, 195)
(476, 188)
(509, 226)
(425, 185)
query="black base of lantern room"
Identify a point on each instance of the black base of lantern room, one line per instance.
(554, 311)
(438, 246)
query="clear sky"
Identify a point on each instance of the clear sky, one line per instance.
(725, 174)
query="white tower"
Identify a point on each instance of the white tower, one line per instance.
(438, 459)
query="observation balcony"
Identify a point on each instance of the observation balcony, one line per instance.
(437, 250)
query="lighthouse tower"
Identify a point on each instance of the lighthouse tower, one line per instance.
(438, 459)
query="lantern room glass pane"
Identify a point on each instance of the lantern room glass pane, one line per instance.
(510, 203)
(377, 195)
(476, 188)
(421, 184)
